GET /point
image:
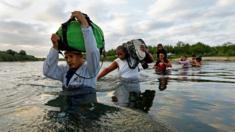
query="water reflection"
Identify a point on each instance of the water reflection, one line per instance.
(187, 105)
(95, 117)
(142, 101)
(75, 118)
(163, 81)
(184, 73)
(128, 94)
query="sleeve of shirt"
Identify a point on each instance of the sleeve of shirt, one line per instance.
(92, 52)
(118, 61)
(183, 62)
(51, 68)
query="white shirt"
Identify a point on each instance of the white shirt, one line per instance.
(124, 70)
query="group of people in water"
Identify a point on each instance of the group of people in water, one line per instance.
(80, 75)
(163, 63)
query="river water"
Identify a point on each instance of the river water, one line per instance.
(194, 99)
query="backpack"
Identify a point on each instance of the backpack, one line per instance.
(71, 37)
(134, 54)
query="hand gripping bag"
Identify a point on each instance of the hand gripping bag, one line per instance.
(71, 37)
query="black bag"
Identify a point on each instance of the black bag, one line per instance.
(134, 53)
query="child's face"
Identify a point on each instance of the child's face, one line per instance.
(120, 54)
(74, 60)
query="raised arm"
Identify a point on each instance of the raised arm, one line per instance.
(92, 52)
(149, 56)
(51, 68)
(108, 69)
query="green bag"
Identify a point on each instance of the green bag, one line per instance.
(71, 37)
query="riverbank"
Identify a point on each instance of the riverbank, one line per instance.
(231, 58)
(12, 56)
(213, 58)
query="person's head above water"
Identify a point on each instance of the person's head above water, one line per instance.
(74, 59)
(159, 46)
(121, 52)
(199, 59)
(183, 58)
(161, 56)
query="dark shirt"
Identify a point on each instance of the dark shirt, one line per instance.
(69, 75)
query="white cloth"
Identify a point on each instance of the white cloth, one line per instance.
(90, 68)
(124, 88)
(129, 82)
(124, 70)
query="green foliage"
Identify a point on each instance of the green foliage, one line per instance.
(11, 55)
(11, 52)
(181, 48)
(22, 52)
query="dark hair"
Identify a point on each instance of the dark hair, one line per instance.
(160, 52)
(122, 48)
(199, 58)
(160, 44)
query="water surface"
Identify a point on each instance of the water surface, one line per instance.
(194, 99)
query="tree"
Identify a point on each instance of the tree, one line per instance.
(22, 52)
(11, 52)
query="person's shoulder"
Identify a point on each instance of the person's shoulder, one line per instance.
(117, 60)
(120, 61)
(167, 60)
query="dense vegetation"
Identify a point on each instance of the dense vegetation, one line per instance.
(11, 55)
(181, 48)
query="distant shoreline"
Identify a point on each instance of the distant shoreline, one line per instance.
(231, 58)
(214, 58)
(211, 58)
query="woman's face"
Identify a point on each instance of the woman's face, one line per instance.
(120, 54)
(161, 56)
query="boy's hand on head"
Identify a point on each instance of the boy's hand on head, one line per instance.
(80, 17)
(54, 39)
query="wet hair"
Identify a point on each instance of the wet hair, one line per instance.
(164, 58)
(122, 48)
(199, 59)
(159, 45)
(161, 53)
